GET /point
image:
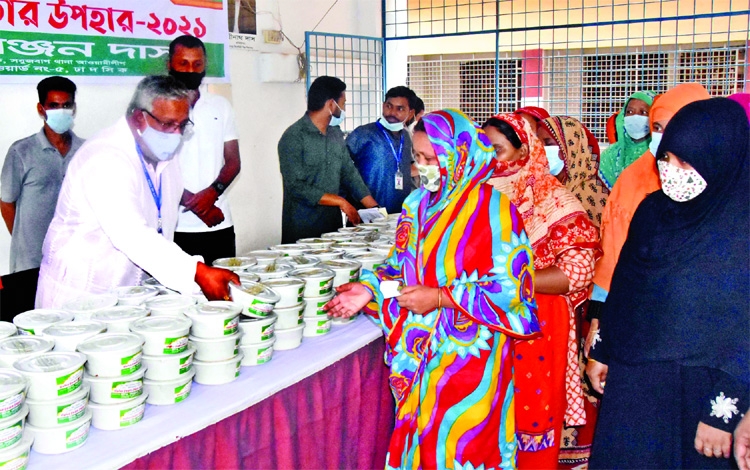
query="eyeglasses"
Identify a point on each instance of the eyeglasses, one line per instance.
(185, 127)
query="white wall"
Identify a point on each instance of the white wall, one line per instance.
(263, 110)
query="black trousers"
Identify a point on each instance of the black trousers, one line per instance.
(209, 245)
(18, 293)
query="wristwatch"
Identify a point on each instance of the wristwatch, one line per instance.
(219, 187)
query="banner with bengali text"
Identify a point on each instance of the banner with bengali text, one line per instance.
(106, 41)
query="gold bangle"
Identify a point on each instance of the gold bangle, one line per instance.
(440, 298)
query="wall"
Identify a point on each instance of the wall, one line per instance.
(263, 110)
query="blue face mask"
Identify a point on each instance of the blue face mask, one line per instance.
(59, 120)
(655, 141)
(636, 126)
(553, 158)
(337, 120)
(162, 145)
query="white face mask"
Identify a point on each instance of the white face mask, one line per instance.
(556, 165)
(162, 145)
(393, 127)
(59, 120)
(336, 121)
(655, 141)
(636, 126)
(429, 176)
(679, 184)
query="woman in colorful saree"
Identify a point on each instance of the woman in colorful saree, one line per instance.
(465, 269)
(565, 245)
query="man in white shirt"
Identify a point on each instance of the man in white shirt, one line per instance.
(210, 159)
(118, 205)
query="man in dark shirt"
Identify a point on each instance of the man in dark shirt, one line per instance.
(316, 167)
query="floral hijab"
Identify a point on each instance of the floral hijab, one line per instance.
(581, 172)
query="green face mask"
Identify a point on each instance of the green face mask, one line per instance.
(429, 176)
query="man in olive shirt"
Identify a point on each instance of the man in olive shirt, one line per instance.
(316, 167)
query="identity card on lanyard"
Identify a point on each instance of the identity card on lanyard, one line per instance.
(154, 194)
(397, 156)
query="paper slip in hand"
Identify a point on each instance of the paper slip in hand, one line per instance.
(390, 289)
(368, 215)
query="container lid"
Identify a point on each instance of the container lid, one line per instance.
(270, 268)
(337, 236)
(313, 273)
(75, 328)
(161, 323)
(41, 317)
(258, 290)
(182, 379)
(136, 292)
(245, 276)
(109, 342)
(11, 381)
(350, 245)
(284, 282)
(266, 254)
(24, 345)
(50, 362)
(341, 264)
(7, 329)
(91, 302)
(217, 307)
(188, 351)
(381, 244)
(170, 301)
(269, 319)
(302, 260)
(83, 391)
(367, 256)
(305, 241)
(289, 247)
(238, 262)
(120, 313)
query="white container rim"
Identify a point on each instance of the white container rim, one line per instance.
(82, 391)
(53, 361)
(183, 379)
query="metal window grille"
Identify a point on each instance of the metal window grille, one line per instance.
(358, 61)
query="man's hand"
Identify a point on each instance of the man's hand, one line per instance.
(214, 282)
(350, 211)
(712, 442)
(597, 373)
(201, 202)
(213, 218)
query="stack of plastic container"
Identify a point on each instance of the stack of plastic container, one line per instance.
(13, 413)
(114, 372)
(318, 292)
(33, 322)
(216, 336)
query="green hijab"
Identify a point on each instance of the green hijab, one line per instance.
(625, 151)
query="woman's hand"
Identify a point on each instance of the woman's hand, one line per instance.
(350, 299)
(597, 373)
(742, 443)
(593, 333)
(419, 299)
(712, 442)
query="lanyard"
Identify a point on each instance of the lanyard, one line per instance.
(398, 155)
(157, 197)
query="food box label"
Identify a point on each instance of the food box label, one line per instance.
(354, 275)
(320, 310)
(19, 463)
(128, 389)
(76, 437)
(185, 364)
(11, 434)
(175, 345)
(326, 286)
(300, 293)
(68, 413)
(25, 332)
(231, 325)
(11, 405)
(131, 363)
(69, 383)
(266, 332)
(132, 415)
(237, 372)
(182, 392)
(264, 354)
(260, 308)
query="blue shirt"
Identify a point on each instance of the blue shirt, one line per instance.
(376, 160)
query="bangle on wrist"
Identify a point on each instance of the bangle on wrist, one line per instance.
(440, 298)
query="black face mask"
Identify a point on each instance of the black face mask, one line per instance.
(192, 80)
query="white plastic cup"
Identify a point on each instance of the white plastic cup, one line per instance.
(63, 438)
(163, 335)
(118, 415)
(113, 354)
(218, 372)
(169, 392)
(257, 354)
(52, 374)
(108, 390)
(172, 367)
(218, 349)
(257, 330)
(64, 410)
(288, 339)
(214, 319)
(289, 289)
(68, 335)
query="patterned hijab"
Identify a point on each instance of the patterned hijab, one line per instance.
(622, 153)
(581, 171)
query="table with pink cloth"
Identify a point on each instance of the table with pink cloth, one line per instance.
(325, 404)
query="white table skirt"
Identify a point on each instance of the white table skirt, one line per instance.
(209, 404)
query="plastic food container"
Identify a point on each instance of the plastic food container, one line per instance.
(257, 354)
(264, 257)
(219, 372)
(271, 270)
(7, 329)
(302, 261)
(257, 330)
(169, 305)
(13, 386)
(347, 270)
(324, 254)
(316, 326)
(245, 277)
(318, 281)
(351, 247)
(11, 428)
(108, 390)
(288, 339)
(67, 335)
(17, 457)
(34, 321)
(238, 263)
(256, 299)
(289, 317)
(290, 249)
(53, 374)
(315, 243)
(163, 335)
(369, 260)
(219, 349)
(118, 415)
(338, 237)
(290, 290)
(63, 438)
(314, 307)
(169, 392)
(151, 281)
(85, 306)
(344, 321)
(19, 347)
(119, 318)
(112, 354)
(52, 413)
(162, 368)
(214, 319)
(135, 295)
